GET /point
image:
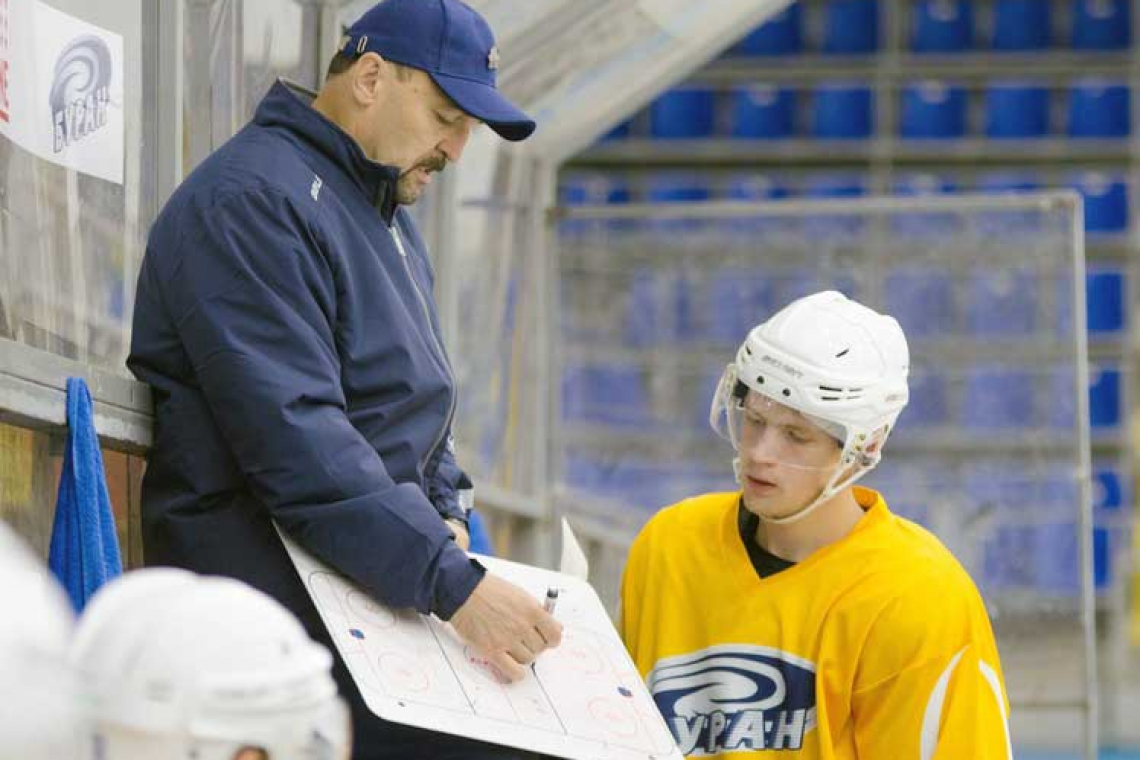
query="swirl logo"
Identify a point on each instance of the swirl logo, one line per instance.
(735, 698)
(80, 90)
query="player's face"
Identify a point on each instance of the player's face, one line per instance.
(785, 459)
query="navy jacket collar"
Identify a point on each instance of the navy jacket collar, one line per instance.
(287, 106)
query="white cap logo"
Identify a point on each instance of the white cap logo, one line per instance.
(493, 58)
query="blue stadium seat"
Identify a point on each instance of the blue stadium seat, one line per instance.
(1108, 499)
(659, 308)
(1002, 303)
(1009, 182)
(1105, 294)
(618, 480)
(756, 187)
(842, 111)
(1104, 398)
(929, 404)
(590, 190)
(998, 398)
(676, 187)
(1101, 24)
(763, 112)
(1109, 484)
(670, 187)
(924, 225)
(942, 26)
(683, 113)
(835, 186)
(1106, 201)
(781, 34)
(923, 183)
(851, 27)
(1008, 223)
(647, 299)
(610, 394)
(826, 225)
(619, 132)
(1021, 25)
(1057, 565)
(1105, 301)
(1016, 110)
(921, 299)
(1100, 108)
(737, 299)
(933, 110)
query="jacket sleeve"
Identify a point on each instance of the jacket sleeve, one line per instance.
(943, 697)
(446, 484)
(254, 300)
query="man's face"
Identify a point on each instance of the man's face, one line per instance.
(785, 459)
(415, 127)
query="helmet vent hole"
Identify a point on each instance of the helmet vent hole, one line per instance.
(842, 353)
(787, 392)
(760, 379)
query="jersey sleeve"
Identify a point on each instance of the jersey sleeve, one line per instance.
(632, 588)
(932, 688)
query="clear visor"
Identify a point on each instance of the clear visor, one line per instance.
(326, 736)
(762, 429)
(322, 732)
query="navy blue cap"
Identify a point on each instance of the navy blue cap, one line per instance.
(451, 43)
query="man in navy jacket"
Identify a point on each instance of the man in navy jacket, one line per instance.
(286, 323)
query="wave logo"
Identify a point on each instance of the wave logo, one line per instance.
(735, 698)
(80, 90)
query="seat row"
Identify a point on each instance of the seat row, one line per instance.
(1090, 108)
(854, 27)
(1106, 195)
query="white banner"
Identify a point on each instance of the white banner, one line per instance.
(61, 88)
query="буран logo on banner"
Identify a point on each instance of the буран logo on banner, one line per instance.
(80, 90)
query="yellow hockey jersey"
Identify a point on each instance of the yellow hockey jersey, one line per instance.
(876, 647)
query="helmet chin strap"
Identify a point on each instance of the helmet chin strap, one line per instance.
(865, 464)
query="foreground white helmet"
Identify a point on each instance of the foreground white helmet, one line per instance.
(183, 666)
(41, 717)
(840, 364)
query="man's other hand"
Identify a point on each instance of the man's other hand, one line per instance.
(462, 538)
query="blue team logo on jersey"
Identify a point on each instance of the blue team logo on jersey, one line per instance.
(735, 698)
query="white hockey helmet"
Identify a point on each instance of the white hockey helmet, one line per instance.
(43, 716)
(840, 364)
(182, 666)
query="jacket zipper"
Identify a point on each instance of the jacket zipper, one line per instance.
(435, 342)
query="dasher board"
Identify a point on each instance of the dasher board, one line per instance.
(583, 699)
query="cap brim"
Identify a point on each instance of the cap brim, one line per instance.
(487, 105)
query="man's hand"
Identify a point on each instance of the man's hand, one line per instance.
(461, 536)
(506, 625)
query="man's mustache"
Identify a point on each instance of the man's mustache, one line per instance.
(437, 164)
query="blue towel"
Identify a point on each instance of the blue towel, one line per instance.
(84, 550)
(480, 537)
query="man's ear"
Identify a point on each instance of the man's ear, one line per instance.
(251, 753)
(368, 77)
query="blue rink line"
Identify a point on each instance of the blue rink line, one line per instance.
(1104, 754)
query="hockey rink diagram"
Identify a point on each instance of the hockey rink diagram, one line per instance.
(582, 699)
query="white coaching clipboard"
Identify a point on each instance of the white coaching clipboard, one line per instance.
(583, 700)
